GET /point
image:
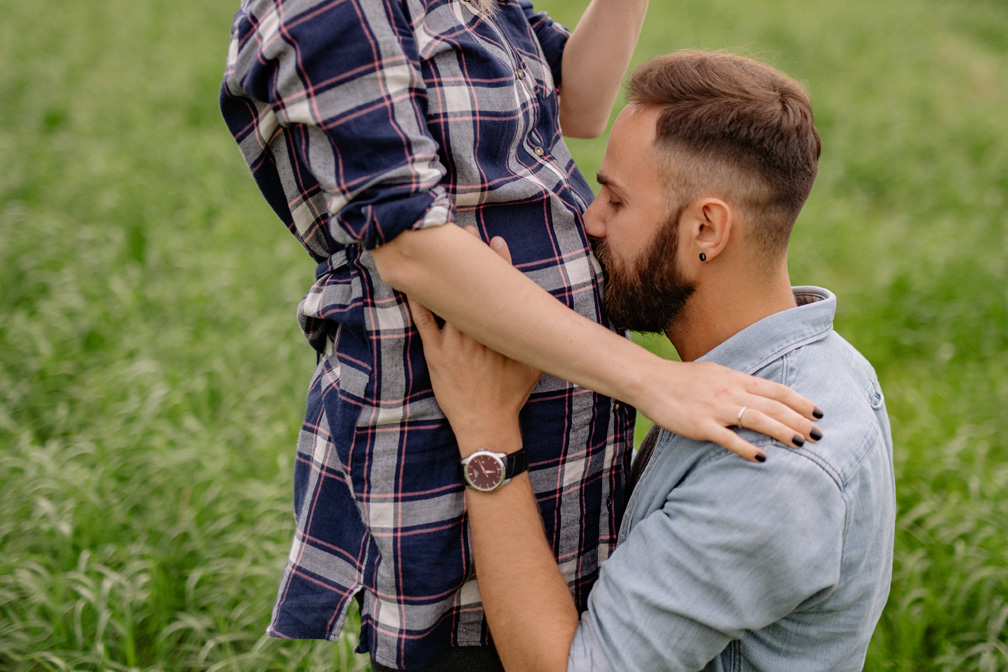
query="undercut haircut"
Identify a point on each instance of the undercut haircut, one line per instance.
(737, 126)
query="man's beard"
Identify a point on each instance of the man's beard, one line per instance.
(648, 295)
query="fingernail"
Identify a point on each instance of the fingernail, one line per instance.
(815, 434)
(817, 412)
(798, 441)
(497, 242)
(760, 457)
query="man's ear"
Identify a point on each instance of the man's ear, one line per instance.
(711, 222)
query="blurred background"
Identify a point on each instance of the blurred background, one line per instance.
(152, 375)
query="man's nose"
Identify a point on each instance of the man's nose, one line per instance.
(594, 225)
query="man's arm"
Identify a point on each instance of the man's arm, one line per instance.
(689, 579)
(529, 607)
(452, 273)
(594, 63)
(712, 563)
(734, 547)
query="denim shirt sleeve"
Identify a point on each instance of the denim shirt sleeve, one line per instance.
(736, 546)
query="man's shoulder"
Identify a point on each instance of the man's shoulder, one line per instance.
(785, 467)
(841, 381)
(826, 369)
(687, 474)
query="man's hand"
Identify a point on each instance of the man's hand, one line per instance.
(479, 390)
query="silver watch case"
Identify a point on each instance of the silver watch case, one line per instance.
(485, 471)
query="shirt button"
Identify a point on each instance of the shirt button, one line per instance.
(617, 406)
(538, 151)
(521, 73)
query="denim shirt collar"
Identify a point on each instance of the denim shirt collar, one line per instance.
(775, 335)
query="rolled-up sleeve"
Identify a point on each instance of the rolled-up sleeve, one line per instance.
(707, 567)
(342, 82)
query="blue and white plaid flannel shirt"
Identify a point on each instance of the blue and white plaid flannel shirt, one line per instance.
(361, 119)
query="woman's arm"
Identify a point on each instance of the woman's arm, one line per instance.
(594, 63)
(481, 294)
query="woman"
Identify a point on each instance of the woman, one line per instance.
(368, 126)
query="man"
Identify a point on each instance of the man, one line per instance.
(721, 563)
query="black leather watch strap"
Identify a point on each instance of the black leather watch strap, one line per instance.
(515, 463)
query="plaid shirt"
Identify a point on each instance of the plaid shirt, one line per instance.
(361, 119)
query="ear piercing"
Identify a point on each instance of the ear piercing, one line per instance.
(703, 256)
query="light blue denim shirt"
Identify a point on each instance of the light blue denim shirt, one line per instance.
(724, 564)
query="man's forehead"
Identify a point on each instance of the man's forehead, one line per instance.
(641, 119)
(629, 149)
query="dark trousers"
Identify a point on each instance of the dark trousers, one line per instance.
(463, 659)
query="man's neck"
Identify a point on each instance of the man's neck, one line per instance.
(722, 307)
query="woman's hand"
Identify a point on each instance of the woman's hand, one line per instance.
(705, 401)
(479, 390)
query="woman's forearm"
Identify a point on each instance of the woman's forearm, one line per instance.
(468, 284)
(462, 280)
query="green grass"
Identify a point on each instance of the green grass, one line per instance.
(152, 375)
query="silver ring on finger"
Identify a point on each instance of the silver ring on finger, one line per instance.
(738, 418)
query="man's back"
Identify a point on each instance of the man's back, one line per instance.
(779, 566)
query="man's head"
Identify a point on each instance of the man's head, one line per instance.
(712, 149)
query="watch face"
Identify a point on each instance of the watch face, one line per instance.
(484, 472)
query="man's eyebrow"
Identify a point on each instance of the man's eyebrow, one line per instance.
(604, 180)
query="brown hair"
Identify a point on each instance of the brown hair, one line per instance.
(737, 125)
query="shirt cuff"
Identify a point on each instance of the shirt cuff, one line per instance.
(375, 223)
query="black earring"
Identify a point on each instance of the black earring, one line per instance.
(703, 256)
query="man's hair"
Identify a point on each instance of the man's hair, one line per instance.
(738, 126)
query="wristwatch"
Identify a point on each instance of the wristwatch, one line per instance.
(486, 471)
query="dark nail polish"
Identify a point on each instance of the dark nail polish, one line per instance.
(815, 434)
(817, 413)
(798, 441)
(760, 457)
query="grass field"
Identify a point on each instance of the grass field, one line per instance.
(152, 375)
